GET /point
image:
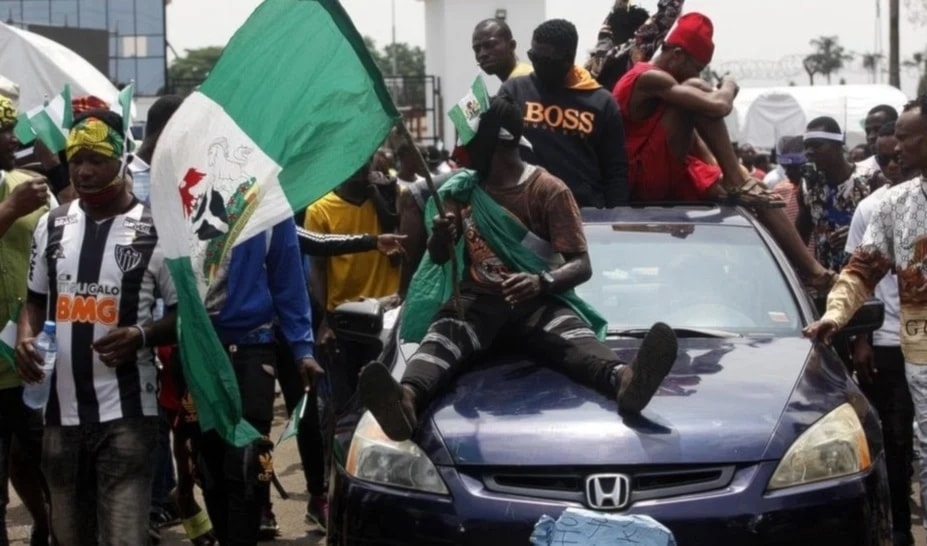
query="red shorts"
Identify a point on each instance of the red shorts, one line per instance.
(655, 175)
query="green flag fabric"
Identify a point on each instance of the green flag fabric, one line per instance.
(292, 425)
(50, 122)
(432, 285)
(8, 338)
(293, 107)
(23, 130)
(465, 115)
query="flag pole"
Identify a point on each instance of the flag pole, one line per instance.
(406, 138)
(410, 142)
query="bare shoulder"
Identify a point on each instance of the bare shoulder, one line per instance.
(655, 81)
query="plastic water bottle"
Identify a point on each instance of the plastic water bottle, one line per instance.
(35, 395)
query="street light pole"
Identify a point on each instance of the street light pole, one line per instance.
(894, 47)
(393, 51)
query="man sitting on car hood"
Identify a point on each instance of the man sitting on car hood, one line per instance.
(522, 252)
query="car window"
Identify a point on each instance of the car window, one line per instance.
(689, 276)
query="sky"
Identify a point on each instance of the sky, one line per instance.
(751, 36)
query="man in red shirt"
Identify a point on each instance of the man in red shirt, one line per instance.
(678, 145)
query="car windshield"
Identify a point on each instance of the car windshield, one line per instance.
(690, 276)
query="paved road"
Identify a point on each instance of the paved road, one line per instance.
(290, 513)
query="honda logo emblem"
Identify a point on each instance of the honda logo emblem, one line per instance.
(608, 491)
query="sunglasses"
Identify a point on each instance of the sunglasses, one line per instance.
(540, 59)
(884, 160)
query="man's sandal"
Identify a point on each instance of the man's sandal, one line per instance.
(199, 529)
(754, 194)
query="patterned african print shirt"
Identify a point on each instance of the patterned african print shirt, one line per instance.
(832, 207)
(896, 239)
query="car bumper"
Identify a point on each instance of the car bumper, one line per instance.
(847, 511)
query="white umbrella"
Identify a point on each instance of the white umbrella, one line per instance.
(41, 67)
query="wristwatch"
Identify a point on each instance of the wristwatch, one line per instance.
(547, 281)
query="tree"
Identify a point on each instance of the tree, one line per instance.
(404, 68)
(812, 65)
(871, 64)
(828, 59)
(187, 72)
(918, 62)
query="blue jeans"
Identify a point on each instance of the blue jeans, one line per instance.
(99, 479)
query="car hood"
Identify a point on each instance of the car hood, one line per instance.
(721, 403)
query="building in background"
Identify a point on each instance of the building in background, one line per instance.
(448, 52)
(124, 39)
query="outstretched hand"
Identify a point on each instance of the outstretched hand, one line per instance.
(821, 331)
(390, 244)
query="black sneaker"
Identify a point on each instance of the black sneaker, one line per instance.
(154, 534)
(639, 381)
(164, 516)
(388, 401)
(269, 529)
(317, 511)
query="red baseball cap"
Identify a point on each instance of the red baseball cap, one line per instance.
(694, 33)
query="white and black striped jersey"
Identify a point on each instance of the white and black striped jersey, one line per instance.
(98, 276)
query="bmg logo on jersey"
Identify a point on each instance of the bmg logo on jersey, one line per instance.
(93, 304)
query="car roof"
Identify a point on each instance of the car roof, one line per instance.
(670, 214)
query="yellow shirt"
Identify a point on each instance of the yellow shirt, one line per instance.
(15, 251)
(352, 276)
(521, 69)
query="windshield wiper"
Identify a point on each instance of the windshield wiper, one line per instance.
(680, 332)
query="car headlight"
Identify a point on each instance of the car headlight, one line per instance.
(834, 446)
(375, 458)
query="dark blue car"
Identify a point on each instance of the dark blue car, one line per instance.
(756, 437)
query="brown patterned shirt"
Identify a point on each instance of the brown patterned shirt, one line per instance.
(895, 240)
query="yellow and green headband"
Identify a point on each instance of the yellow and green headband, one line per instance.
(95, 135)
(7, 113)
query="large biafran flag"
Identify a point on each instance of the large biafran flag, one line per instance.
(294, 106)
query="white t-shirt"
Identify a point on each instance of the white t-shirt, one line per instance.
(870, 164)
(889, 335)
(774, 176)
(406, 183)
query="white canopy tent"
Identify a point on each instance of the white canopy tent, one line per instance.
(41, 67)
(766, 114)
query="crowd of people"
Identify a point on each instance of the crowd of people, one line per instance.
(117, 452)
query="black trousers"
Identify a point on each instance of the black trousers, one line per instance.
(237, 479)
(309, 435)
(889, 393)
(545, 328)
(24, 425)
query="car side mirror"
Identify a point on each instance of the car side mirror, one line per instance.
(358, 321)
(867, 319)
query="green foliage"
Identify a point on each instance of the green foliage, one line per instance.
(828, 59)
(407, 82)
(185, 73)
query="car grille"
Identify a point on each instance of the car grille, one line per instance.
(646, 484)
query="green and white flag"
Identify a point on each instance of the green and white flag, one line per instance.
(294, 106)
(51, 122)
(8, 338)
(466, 114)
(23, 130)
(123, 106)
(292, 425)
